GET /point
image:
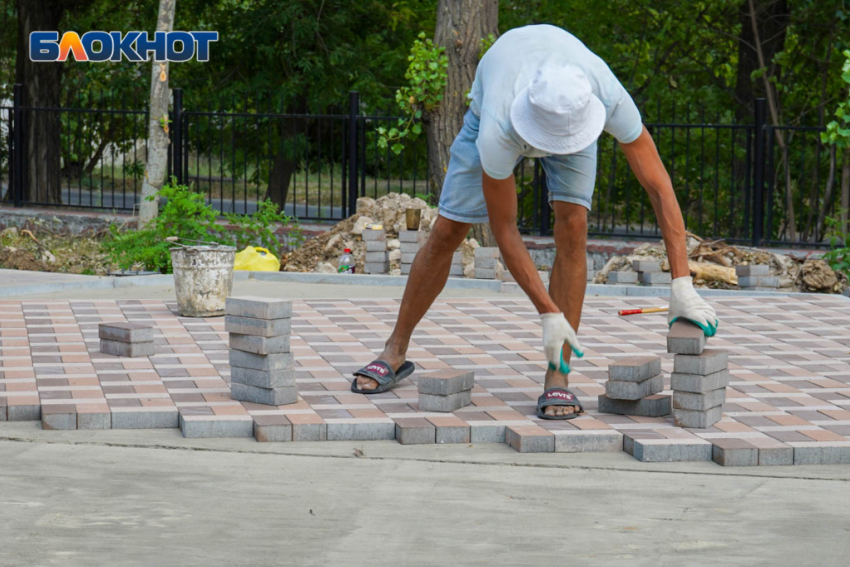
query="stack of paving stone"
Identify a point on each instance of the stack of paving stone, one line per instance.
(411, 242)
(622, 277)
(649, 273)
(445, 390)
(508, 277)
(126, 339)
(756, 277)
(633, 388)
(260, 360)
(591, 269)
(457, 265)
(485, 262)
(377, 257)
(699, 378)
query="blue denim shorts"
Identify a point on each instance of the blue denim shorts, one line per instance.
(569, 178)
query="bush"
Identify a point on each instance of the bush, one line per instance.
(258, 229)
(839, 257)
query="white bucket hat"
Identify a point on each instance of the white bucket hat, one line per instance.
(558, 112)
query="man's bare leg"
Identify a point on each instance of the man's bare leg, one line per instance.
(427, 278)
(569, 280)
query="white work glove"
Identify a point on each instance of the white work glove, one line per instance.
(556, 332)
(685, 303)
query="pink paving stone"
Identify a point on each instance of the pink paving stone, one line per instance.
(233, 409)
(529, 439)
(587, 422)
(838, 414)
(367, 413)
(156, 402)
(218, 397)
(823, 435)
(787, 419)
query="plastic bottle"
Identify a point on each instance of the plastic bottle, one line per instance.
(346, 262)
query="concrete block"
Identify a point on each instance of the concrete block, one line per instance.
(446, 382)
(634, 390)
(216, 426)
(666, 450)
(257, 327)
(529, 439)
(487, 252)
(308, 427)
(269, 362)
(622, 277)
(269, 396)
(125, 332)
(94, 420)
(457, 257)
(412, 236)
(370, 234)
(453, 402)
(3, 413)
(405, 270)
(260, 345)
(697, 418)
(508, 277)
(699, 384)
(588, 441)
(415, 431)
(128, 350)
(24, 412)
(711, 360)
(490, 433)
(772, 452)
(376, 267)
(685, 338)
(408, 257)
(456, 271)
(482, 274)
(258, 307)
(822, 453)
(376, 246)
(368, 431)
(699, 402)
(635, 368)
(376, 257)
(58, 417)
(771, 282)
(656, 405)
(486, 263)
(272, 429)
(450, 429)
(734, 453)
(262, 378)
(647, 266)
(410, 247)
(544, 275)
(656, 278)
(752, 270)
(151, 418)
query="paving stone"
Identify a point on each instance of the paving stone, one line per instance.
(773, 452)
(94, 420)
(58, 417)
(376, 267)
(3, 413)
(485, 263)
(457, 258)
(150, 418)
(588, 441)
(216, 426)
(309, 427)
(450, 429)
(529, 439)
(361, 431)
(711, 360)
(490, 433)
(666, 450)
(270, 362)
(376, 257)
(821, 453)
(417, 236)
(646, 266)
(699, 402)
(697, 418)
(752, 270)
(622, 277)
(657, 405)
(482, 274)
(734, 453)
(370, 234)
(376, 246)
(699, 384)
(262, 378)
(487, 252)
(655, 278)
(282, 396)
(453, 402)
(405, 270)
(685, 338)
(272, 429)
(258, 307)
(456, 271)
(24, 412)
(408, 257)
(446, 382)
(260, 345)
(128, 350)
(415, 431)
(634, 390)
(771, 282)
(410, 247)
(635, 368)
(544, 275)
(125, 332)
(257, 327)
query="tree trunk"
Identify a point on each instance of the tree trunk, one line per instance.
(156, 163)
(772, 18)
(284, 163)
(827, 196)
(845, 191)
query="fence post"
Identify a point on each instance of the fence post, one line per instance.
(177, 147)
(353, 153)
(759, 159)
(17, 161)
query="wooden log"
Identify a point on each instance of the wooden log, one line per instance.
(713, 272)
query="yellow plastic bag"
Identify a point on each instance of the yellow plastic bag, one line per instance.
(256, 259)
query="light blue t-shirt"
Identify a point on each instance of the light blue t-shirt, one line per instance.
(510, 65)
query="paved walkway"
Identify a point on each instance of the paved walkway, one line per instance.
(789, 396)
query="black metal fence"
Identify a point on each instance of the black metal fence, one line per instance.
(751, 183)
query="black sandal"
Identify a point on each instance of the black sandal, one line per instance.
(383, 374)
(558, 397)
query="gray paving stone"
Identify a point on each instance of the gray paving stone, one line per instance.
(666, 450)
(699, 384)
(657, 405)
(258, 307)
(494, 433)
(646, 266)
(457, 257)
(128, 350)
(272, 429)
(94, 420)
(376, 246)
(282, 396)
(822, 454)
(410, 247)
(405, 270)
(697, 418)
(446, 382)
(529, 439)
(370, 234)
(307, 432)
(588, 441)
(151, 418)
(771, 282)
(752, 270)
(482, 274)
(634, 390)
(699, 402)
(711, 360)
(622, 277)
(635, 368)
(197, 427)
(487, 252)
(279, 361)
(260, 345)
(453, 402)
(453, 434)
(262, 378)
(655, 278)
(485, 263)
(257, 327)
(685, 338)
(418, 236)
(408, 257)
(125, 332)
(58, 417)
(456, 271)
(415, 431)
(24, 412)
(773, 452)
(376, 267)
(3, 413)
(376, 257)
(544, 275)
(734, 453)
(381, 431)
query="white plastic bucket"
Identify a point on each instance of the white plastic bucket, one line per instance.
(203, 278)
